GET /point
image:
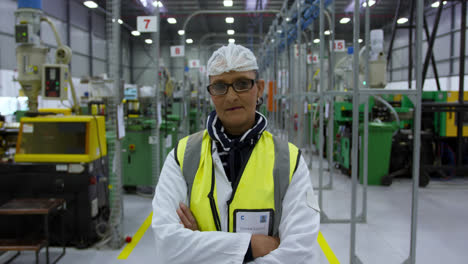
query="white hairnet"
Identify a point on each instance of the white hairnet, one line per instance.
(231, 58)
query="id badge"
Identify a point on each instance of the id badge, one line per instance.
(254, 221)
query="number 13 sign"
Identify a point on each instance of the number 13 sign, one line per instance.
(147, 24)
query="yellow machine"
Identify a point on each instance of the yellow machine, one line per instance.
(61, 139)
(451, 125)
(57, 111)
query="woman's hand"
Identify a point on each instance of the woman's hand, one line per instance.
(186, 217)
(262, 245)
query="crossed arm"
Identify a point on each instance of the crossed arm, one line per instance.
(261, 244)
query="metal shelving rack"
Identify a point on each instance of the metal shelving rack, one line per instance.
(359, 95)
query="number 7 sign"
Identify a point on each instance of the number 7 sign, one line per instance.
(147, 23)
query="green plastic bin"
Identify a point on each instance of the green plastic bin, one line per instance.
(379, 150)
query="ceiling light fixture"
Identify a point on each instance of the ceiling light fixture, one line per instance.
(360, 40)
(120, 21)
(371, 3)
(90, 4)
(181, 32)
(327, 32)
(171, 20)
(230, 32)
(144, 3)
(227, 3)
(158, 3)
(189, 41)
(229, 20)
(136, 33)
(279, 31)
(231, 40)
(402, 20)
(345, 20)
(288, 19)
(149, 41)
(436, 4)
(316, 41)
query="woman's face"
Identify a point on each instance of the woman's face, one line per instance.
(237, 110)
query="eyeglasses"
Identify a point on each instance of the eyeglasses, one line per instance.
(239, 86)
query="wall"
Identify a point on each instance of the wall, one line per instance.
(446, 50)
(143, 63)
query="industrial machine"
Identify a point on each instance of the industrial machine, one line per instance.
(438, 142)
(62, 157)
(57, 155)
(137, 155)
(393, 134)
(36, 77)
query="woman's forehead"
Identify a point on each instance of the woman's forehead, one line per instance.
(233, 75)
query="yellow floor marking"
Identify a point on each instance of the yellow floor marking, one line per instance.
(136, 238)
(327, 250)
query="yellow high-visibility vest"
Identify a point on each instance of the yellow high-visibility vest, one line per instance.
(261, 187)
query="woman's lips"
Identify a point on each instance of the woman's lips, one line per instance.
(234, 108)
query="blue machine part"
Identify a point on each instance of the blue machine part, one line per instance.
(306, 23)
(36, 4)
(350, 50)
(309, 11)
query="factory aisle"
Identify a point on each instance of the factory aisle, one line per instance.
(384, 239)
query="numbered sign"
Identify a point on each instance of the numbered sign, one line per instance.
(309, 58)
(177, 51)
(315, 58)
(194, 63)
(147, 23)
(202, 69)
(339, 45)
(296, 51)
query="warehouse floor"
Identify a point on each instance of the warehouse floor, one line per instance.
(442, 229)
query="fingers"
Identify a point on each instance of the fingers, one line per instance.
(186, 217)
(188, 214)
(183, 218)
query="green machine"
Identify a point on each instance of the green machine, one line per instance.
(137, 145)
(389, 141)
(136, 153)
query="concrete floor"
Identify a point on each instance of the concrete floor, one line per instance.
(442, 228)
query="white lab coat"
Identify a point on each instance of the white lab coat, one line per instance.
(175, 244)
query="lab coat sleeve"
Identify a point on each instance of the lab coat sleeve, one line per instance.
(176, 244)
(300, 222)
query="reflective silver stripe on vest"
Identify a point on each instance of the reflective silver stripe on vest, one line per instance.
(281, 175)
(280, 171)
(192, 160)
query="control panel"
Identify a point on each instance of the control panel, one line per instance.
(23, 34)
(55, 82)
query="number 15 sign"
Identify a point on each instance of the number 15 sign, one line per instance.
(147, 23)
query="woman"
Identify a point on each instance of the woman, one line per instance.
(234, 193)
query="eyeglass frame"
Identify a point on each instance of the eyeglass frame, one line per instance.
(253, 82)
